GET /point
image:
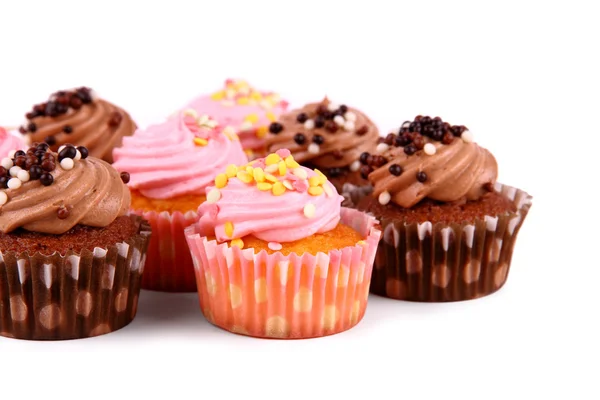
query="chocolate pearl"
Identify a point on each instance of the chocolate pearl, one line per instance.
(299, 138)
(448, 138)
(365, 170)
(63, 212)
(411, 135)
(379, 161)
(75, 103)
(427, 130)
(395, 169)
(337, 154)
(48, 165)
(331, 126)
(421, 176)
(46, 179)
(419, 142)
(363, 158)
(321, 109)
(401, 140)
(437, 119)
(32, 127)
(370, 159)
(125, 177)
(42, 146)
(390, 139)
(49, 157)
(3, 171)
(35, 171)
(31, 150)
(380, 140)
(404, 129)
(67, 129)
(275, 128)
(61, 108)
(318, 139)
(302, 117)
(20, 161)
(39, 109)
(30, 115)
(335, 171)
(83, 151)
(30, 161)
(62, 100)
(19, 153)
(343, 108)
(51, 109)
(437, 135)
(418, 118)
(319, 121)
(115, 119)
(4, 182)
(67, 152)
(426, 120)
(39, 154)
(362, 130)
(22, 130)
(410, 149)
(84, 96)
(328, 115)
(51, 140)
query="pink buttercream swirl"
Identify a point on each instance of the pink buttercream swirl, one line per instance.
(266, 216)
(9, 142)
(166, 160)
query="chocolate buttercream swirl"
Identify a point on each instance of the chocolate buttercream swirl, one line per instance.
(91, 193)
(78, 118)
(323, 134)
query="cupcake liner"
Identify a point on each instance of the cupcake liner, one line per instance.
(448, 262)
(73, 296)
(169, 266)
(285, 297)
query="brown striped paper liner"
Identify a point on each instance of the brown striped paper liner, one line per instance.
(439, 262)
(73, 296)
(285, 297)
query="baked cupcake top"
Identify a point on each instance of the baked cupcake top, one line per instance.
(246, 110)
(9, 142)
(179, 156)
(272, 198)
(325, 134)
(429, 158)
(78, 117)
(46, 192)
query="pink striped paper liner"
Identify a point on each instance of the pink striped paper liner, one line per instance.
(169, 266)
(285, 297)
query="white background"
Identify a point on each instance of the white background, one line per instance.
(523, 76)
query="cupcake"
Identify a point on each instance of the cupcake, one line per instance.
(9, 143)
(275, 254)
(77, 117)
(170, 165)
(71, 258)
(449, 228)
(327, 136)
(244, 110)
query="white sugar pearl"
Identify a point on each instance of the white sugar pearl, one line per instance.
(349, 126)
(300, 173)
(429, 149)
(213, 195)
(14, 183)
(67, 163)
(382, 147)
(333, 106)
(6, 163)
(309, 210)
(405, 124)
(355, 166)
(61, 148)
(77, 155)
(11, 153)
(23, 175)
(314, 148)
(13, 171)
(309, 124)
(350, 116)
(467, 137)
(339, 120)
(3, 198)
(384, 198)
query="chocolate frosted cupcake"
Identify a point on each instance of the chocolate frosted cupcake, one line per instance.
(449, 227)
(71, 258)
(326, 136)
(77, 117)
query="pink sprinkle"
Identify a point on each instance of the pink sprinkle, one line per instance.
(284, 104)
(283, 153)
(229, 81)
(260, 163)
(275, 246)
(300, 185)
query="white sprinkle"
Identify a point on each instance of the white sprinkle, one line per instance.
(11, 153)
(212, 124)
(229, 130)
(67, 163)
(213, 195)
(309, 124)
(405, 124)
(274, 246)
(3, 198)
(77, 155)
(339, 120)
(309, 210)
(300, 173)
(6, 163)
(246, 126)
(13, 171)
(271, 169)
(61, 148)
(287, 184)
(191, 112)
(314, 148)
(14, 183)
(229, 93)
(333, 106)
(355, 166)
(382, 147)
(467, 137)
(384, 198)
(328, 191)
(429, 149)
(349, 125)
(203, 119)
(350, 116)
(23, 175)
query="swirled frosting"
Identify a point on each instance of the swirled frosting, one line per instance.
(451, 169)
(91, 193)
(342, 134)
(9, 142)
(292, 203)
(179, 156)
(78, 118)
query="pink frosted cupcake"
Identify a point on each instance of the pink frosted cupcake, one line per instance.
(169, 167)
(244, 110)
(9, 142)
(276, 255)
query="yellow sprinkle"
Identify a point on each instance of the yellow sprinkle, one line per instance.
(264, 186)
(237, 242)
(221, 181)
(314, 180)
(259, 175)
(272, 158)
(282, 168)
(200, 142)
(315, 190)
(250, 170)
(320, 173)
(243, 101)
(253, 118)
(361, 242)
(262, 131)
(229, 228)
(244, 176)
(256, 96)
(231, 171)
(217, 96)
(278, 189)
(271, 116)
(290, 162)
(271, 178)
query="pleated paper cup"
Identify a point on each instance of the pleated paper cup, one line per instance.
(169, 266)
(75, 296)
(285, 297)
(439, 262)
